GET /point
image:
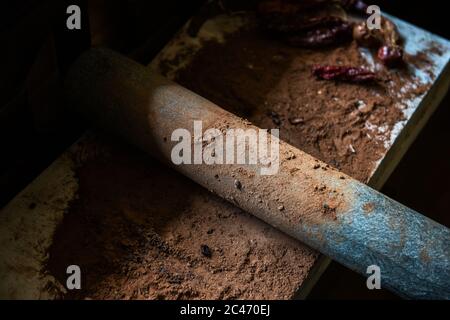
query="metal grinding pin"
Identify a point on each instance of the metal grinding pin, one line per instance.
(324, 208)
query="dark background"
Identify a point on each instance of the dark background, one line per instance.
(36, 50)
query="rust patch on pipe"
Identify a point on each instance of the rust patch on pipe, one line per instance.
(368, 207)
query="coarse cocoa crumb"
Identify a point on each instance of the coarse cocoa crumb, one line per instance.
(206, 251)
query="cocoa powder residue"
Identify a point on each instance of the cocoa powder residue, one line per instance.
(139, 230)
(269, 83)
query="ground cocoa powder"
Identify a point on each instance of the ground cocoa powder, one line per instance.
(272, 85)
(139, 230)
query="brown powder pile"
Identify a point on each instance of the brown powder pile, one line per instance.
(271, 84)
(142, 231)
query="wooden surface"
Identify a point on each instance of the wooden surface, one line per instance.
(26, 233)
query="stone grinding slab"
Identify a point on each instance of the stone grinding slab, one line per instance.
(148, 243)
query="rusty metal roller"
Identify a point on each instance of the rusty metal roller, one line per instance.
(312, 202)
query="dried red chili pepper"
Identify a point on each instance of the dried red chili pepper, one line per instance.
(307, 23)
(287, 16)
(390, 55)
(385, 39)
(318, 23)
(344, 73)
(323, 36)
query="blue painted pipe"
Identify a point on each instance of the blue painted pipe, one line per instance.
(411, 250)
